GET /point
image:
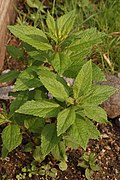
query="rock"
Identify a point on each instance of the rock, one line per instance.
(112, 105)
(4, 92)
(117, 122)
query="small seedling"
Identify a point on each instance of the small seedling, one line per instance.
(35, 170)
(88, 162)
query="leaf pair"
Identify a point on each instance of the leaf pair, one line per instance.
(60, 29)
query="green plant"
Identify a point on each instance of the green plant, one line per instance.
(101, 14)
(53, 114)
(33, 169)
(89, 164)
(104, 15)
(46, 170)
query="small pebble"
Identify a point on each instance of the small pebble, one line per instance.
(103, 150)
(105, 136)
(107, 148)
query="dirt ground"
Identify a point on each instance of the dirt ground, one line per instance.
(107, 151)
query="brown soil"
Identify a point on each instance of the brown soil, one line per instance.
(107, 151)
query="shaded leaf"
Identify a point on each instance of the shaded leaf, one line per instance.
(16, 53)
(34, 124)
(9, 76)
(37, 154)
(73, 70)
(48, 139)
(21, 98)
(61, 61)
(26, 80)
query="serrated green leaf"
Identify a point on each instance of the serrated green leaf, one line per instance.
(65, 119)
(95, 113)
(83, 130)
(79, 134)
(59, 152)
(61, 61)
(97, 74)
(31, 35)
(9, 76)
(93, 132)
(37, 108)
(26, 30)
(47, 73)
(85, 39)
(51, 25)
(65, 24)
(11, 137)
(99, 93)
(49, 139)
(83, 81)
(26, 80)
(53, 86)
